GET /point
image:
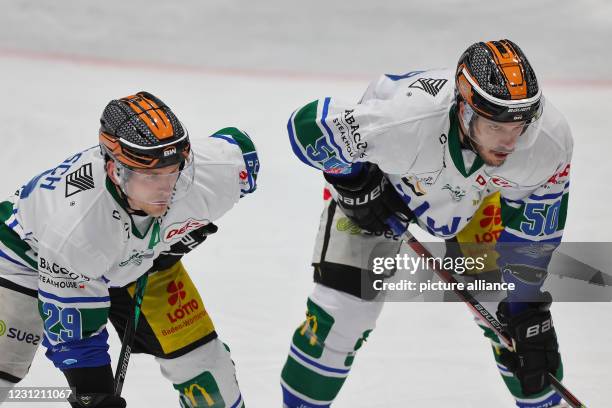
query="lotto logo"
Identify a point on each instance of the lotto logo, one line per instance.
(177, 295)
(492, 216)
(176, 292)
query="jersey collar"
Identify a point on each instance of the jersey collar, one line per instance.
(121, 200)
(454, 147)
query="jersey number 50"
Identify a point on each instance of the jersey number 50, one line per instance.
(541, 218)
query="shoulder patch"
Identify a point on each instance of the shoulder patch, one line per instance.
(430, 85)
(80, 180)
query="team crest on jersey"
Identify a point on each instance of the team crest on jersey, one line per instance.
(415, 185)
(137, 257)
(178, 230)
(429, 85)
(418, 182)
(457, 193)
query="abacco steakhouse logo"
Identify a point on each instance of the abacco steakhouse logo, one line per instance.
(180, 229)
(58, 276)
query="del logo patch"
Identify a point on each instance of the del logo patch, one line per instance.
(502, 182)
(180, 229)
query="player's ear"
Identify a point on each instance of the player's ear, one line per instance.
(111, 171)
(460, 108)
(460, 112)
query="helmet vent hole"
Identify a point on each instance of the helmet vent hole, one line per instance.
(493, 79)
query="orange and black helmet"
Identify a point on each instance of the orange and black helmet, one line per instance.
(141, 132)
(497, 81)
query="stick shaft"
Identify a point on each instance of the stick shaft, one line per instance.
(487, 317)
(129, 335)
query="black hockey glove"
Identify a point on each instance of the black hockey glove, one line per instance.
(98, 401)
(369, 200)
(536, 349)
(94, 387)
(191, 240)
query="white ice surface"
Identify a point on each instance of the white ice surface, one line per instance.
(254, 275)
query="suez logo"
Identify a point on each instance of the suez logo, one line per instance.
(19, 335)
(176, 295)
(180, 229)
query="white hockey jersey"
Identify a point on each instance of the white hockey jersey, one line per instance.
(66, 233)
(406, 124)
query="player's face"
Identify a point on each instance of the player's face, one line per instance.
(148, 190)
(151, 190)
(495, 141)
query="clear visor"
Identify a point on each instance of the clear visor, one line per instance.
(500, 137)
(157, 186)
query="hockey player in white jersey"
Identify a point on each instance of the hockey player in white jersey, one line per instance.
(75, 238)
(429, 147)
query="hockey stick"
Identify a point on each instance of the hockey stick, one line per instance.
(480, 310)
(129, 335)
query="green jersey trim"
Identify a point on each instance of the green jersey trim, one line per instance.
(454, 147)
(11, 239)
(112, 189)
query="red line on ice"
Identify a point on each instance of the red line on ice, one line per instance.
(245, 72)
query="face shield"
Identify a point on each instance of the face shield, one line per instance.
(502, 137)
(159, 186)
(500, 125)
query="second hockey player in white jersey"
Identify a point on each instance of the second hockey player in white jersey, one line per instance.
(429, 147)
(75, 238)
